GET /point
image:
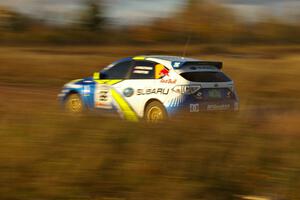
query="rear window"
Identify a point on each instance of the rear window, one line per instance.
(205, 76)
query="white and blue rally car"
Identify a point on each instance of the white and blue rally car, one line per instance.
(152, 88)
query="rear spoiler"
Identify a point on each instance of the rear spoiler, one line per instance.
(217, 64)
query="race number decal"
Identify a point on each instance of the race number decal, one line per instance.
(102, 97)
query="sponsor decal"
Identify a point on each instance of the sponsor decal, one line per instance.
(212, 107)
(102, 97)
(218, 107)
(186, 89)
(169, 81)
(161, 71)
(128, 92)
(99, 104)
(176, 64)
(164, 72)
(140, 72)
(143, 67)
(162, 91)
(194, 107)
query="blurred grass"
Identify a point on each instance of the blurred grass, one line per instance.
(45, 154)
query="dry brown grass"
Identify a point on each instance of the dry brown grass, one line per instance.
(47, 155)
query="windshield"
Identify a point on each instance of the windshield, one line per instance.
(205, 76)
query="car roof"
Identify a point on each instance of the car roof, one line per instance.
(176, 61)
(167, 58)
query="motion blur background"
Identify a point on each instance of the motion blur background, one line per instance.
(45, 154)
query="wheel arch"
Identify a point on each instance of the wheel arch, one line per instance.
(73, 91)
(150, 101)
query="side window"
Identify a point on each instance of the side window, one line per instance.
(119, 71)
(143, 70)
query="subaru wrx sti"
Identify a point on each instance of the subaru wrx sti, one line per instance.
(152, 88)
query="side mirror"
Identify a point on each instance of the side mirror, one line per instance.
(96, 75)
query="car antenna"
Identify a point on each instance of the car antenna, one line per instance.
(188, 39)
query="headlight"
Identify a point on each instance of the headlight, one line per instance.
(186, 89)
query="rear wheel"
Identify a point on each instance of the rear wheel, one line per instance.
(155, 112)
(74, 104)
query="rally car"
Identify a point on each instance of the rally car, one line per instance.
(152, 88)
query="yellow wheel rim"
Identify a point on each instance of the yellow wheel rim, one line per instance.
(74, 104)
(155, 114)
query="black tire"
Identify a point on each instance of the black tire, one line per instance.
(155, 112)
(74, 104)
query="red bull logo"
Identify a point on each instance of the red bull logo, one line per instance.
(161, 71)
(169, 81)
(164, 72)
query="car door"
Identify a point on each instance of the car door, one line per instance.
(141, 85)
(109, 77)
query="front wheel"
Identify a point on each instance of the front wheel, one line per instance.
(74, 104)
(155, 112)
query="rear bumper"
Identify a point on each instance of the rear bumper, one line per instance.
(204, 106)
(230, 105)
